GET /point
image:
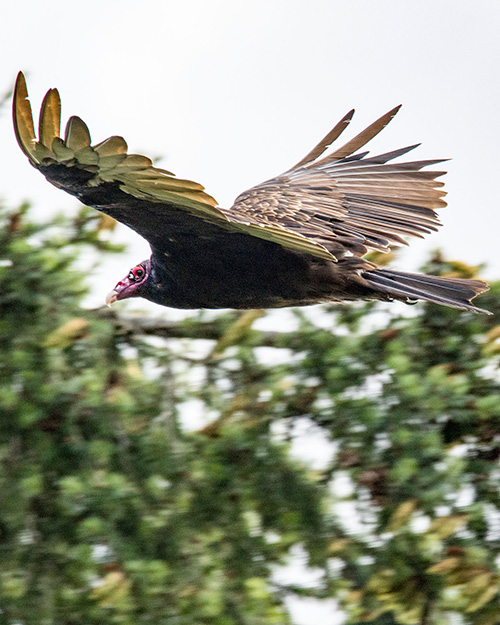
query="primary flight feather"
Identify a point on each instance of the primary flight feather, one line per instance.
(294, 240)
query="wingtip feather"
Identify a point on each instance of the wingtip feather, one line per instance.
(23, 118)
(395, 110)
(49, 126)
(363, 137)
(326, 142)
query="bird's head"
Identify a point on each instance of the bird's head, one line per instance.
(132, 285)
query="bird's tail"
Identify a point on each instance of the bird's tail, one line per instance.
(455, 292)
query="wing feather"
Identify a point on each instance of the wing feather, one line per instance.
(326, 142)
(23, 118)
(351, 203)
(363, 137)
(112, 147)
(50, 118)
(77, 135)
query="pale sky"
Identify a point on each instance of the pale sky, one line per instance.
(231, 93)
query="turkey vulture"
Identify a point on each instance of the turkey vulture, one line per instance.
(294, 240)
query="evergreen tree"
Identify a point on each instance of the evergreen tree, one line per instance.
(113, 511)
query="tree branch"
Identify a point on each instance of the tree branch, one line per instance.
(213, 330)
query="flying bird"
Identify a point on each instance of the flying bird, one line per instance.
(297, 239)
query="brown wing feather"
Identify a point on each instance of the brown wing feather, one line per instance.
(362, 138)
(327, 140)
(50, 118)
(348, 203)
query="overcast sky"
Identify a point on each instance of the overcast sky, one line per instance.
(231, 93)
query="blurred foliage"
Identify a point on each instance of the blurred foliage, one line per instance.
(113, 511)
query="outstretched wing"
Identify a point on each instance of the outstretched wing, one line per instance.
(151, 201)
(349, 203)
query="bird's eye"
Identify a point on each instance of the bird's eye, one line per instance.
(137, 273)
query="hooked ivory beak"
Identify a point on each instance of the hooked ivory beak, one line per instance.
(111, 297)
